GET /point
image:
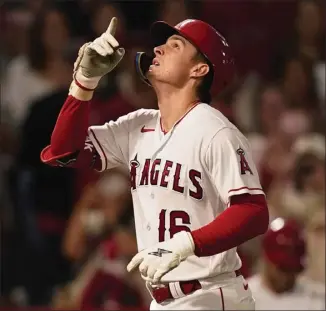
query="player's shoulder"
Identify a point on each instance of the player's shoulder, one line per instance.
(140, 116)
(213, 121)
(144, 113)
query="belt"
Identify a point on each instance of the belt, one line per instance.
(178, 289)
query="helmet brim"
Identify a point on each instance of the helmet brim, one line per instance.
(161, 32)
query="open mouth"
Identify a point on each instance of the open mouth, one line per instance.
(155, 62)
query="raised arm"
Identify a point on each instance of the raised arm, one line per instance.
(70, 144)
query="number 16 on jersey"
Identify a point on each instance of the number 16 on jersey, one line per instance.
(172, 222)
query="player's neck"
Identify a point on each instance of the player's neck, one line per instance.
(173, 104)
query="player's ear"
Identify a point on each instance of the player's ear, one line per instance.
(199, 70)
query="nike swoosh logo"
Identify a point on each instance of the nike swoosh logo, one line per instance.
(145, 130)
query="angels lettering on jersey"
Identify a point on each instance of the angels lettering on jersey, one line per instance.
(166, 174)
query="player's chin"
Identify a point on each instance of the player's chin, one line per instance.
(153, 75)
(156, 77)
(152, 69)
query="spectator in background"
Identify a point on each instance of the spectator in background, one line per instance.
(175, 11)
(266, 115)
(293, 112)
(13, 24)
(276, 285)
(307, 179)
(308, 39)
(42, 69)
(100, 239)
(100, 17)
(298, 86)
(103, 204)
(41, 207)
(103, 283)
(277, 129)
(15, 18)
(35, 6)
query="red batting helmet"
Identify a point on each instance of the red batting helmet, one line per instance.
(284, 246)
(206, 39)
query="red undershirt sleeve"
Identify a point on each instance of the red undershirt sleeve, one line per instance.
(69, 145)
(246, 218)
(75, 144)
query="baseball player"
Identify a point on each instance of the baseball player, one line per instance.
(195, 188)
(277, 285)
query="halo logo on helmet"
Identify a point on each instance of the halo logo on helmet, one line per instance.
(206, 39)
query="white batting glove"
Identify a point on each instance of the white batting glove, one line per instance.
(156, 261)
(97, 58)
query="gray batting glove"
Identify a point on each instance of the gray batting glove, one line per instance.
(97, 58)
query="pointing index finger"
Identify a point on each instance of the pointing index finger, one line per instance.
(113, 26)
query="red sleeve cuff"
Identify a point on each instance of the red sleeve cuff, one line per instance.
(49, 158)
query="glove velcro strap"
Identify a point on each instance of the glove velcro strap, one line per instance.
(80, 93)
(83, 87)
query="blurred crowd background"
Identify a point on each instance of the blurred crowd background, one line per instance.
(66, 235)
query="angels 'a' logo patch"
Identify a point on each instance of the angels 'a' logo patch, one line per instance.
(244, 166)
(160, 252)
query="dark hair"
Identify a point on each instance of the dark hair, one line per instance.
(308, 70)
(36, 51)
(203, 89)
(263, 87)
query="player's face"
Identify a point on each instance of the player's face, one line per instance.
(175, 62)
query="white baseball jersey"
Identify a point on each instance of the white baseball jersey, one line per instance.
(300, 298)
(180, 180)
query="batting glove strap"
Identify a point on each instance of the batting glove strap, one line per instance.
(79, 92)
(87, 84)
(183, 244)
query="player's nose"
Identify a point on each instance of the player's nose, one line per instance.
(159, 50)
